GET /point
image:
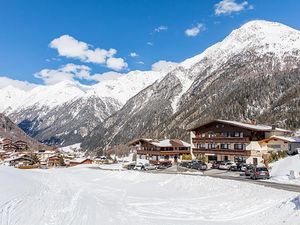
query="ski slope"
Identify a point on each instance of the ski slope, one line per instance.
(81, 196)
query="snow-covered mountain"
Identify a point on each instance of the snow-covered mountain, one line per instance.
(66, 112)
(252, 73)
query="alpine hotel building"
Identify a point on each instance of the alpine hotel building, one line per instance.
(230, 140)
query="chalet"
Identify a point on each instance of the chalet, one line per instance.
(43, 155)
(155, 150)
(53, 161)
(231, 140)
(20, 161)
(21, 145)
(9, 147)
(6, 141)
(79, 161)
(280, 143)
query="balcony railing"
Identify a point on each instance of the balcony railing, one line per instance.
(221, 139)
(222, 151)
(153, 152)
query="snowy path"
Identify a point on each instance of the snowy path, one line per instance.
(84, 196)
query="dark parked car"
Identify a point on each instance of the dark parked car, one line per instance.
(259, 173)
(184, 164)
(164, 165)
(216, 164)
(197, 165)
(248, 169)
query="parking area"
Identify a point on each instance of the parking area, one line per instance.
(214, 172)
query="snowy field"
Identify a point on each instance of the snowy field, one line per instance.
(92, 196)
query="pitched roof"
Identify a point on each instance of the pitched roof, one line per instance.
(283, 138)
(78, 160)
(163, 143)
(255, 127)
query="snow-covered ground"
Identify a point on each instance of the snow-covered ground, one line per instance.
(81, 195)
(280, 170)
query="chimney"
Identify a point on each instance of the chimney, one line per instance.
(253, 122)
(273, 127)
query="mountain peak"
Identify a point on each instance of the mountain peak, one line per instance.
(260, 36)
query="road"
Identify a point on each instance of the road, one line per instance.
(222, 174)
(229, 175)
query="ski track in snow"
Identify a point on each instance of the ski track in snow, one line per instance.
(76, 196)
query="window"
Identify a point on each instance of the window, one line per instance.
(274, 146)
(225, 146)
(211, 145)
(239, 146)
(237, 134)
(200, 145)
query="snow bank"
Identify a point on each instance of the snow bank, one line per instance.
(81, 195)
(280, 170)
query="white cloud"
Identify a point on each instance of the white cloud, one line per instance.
(116, 63)
(23, 85)
(194, 31)
(160, 28)
(164, 66)
(140, 62)
(150, 43)
(107, 76)
(69, 47)
(133, 54)
(229, 6)
(72, 72)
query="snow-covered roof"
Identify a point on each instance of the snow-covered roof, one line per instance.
(283, 138)
(78, 160)
(165, 142)
(256, 127)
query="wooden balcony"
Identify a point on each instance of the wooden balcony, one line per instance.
(220, 139)
(222, 152)
(162, 153)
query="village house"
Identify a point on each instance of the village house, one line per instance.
(21, 145)
(223, 140)
(280, 143)
(80, 161)
(20, 161)
(155, 150)
(8, 145)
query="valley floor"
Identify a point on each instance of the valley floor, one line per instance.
(81, 195)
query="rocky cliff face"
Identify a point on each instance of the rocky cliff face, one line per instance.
(252, 74)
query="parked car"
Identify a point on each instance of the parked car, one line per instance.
(226, 165)
(139, 166)
(198, 165)
(150, 167)
(184, 164)
(216, 164)
(236, 166)
(259, 173)
(248, 169)
(164, 165)
(129, 166)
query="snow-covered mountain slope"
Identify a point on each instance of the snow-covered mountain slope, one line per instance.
(10, 130)
(238, 78)
(65, 112)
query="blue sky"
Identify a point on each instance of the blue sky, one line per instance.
(31, 36)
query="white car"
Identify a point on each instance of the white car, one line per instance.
(226, 165)
(146, 166)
